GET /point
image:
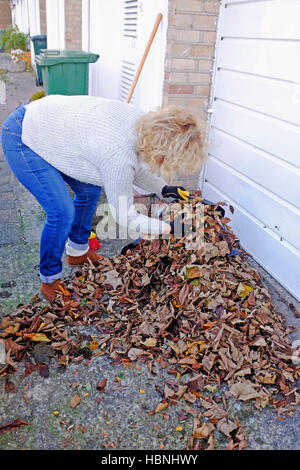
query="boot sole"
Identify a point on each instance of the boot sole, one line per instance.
(45, 297)
(80, 265)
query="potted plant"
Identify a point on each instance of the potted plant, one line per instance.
(15, 42)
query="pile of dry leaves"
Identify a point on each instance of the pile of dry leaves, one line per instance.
(203, 314)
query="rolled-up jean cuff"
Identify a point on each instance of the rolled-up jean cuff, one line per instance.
(50, 279)
(77, 246)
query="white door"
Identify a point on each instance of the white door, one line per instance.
(118, 31)
(131, 15)
(254, 141)
(138, 19)
(34, 23)
(55, 13)
(101, 28)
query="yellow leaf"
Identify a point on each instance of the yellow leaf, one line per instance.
(38, 337)
(142, 390)
(200, 343)
(149, 342)
(161, 406)
(179, 428)
(41, 326)
(243, 289)
(93, 345)
(56, 413)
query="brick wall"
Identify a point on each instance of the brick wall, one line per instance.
(5, 14)
(43, 21)
(73, 17)
(189, 58)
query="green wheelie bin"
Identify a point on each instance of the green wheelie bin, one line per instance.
(1, 45)
(65, 72)
(39, 43)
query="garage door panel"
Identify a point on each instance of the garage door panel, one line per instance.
(271, 173)
(277, 19)
(271, 135)
(278, 258)
(254, 160)
(265, 206)
(268, 58)
(275, 98)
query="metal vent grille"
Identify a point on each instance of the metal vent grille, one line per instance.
(127, 76)
(130, 18)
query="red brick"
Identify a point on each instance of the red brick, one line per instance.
(198, 77)
(204, 65)
(180, 89)
(181, 50)
(202, 51)
(176, 77)
(209, 37)
(180, 20)
(205, 21)
(183, 35)
(197, 102)
(175, 101)
(73, 20)
(202, 90)
(188, 5)
(181, 64)
(5, 14)
(211, 6)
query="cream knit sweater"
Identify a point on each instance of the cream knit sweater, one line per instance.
(92, 140)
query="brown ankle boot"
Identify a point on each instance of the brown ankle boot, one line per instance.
(80, 260)
(49, 291)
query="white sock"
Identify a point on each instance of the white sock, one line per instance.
(73, 252)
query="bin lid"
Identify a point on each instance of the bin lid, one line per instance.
(38, 36)
(55, 56)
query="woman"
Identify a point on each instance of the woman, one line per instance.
(88, 142)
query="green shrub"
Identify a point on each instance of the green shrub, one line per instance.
(37, 96)
(13, 38)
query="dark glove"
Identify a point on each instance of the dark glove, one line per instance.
(176, 192)
(131, 246)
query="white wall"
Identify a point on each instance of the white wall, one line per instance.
(101, 34)
(55, 13)
(20, 15)
(34, 23)
(255, 131)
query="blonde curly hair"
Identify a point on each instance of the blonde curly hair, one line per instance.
(169, 140)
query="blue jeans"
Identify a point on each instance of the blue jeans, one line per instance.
(66, 218)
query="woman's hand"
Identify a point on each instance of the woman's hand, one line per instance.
(149, 236)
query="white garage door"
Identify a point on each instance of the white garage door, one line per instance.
(254, 150)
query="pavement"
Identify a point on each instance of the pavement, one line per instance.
(118, 419)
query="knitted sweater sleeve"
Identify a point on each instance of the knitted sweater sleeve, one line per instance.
(118, 184)
(144, 179)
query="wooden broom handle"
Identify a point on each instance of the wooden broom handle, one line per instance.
(138, 73)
